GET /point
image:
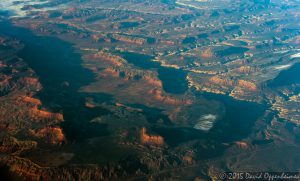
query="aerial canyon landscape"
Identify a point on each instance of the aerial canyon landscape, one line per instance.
(148, 89)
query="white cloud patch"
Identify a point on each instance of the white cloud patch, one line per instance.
(297, 55)
(15, 6)
(206, 122)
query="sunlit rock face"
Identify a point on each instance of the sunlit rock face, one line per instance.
(151, 139)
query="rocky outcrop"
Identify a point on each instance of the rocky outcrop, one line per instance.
(222, 81)
(225, 82)
(95, 37)
(167, 42)
(45, 115)
(287, 109)
(247, 85)
(160, 96)
(31, 100)
(53, 135)
(208, 53)
(113, 59)
(109, 72)
(153, 81)
(20, 111)
(242, 144)
(32, 83)
(247, 69)
(14, 72)
(151, 139)
(130, 39)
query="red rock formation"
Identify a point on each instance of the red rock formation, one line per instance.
(151, 139)
(158, 95)
(242, 144)
(207, 53)
(247, 85)
(2, 64)
(153, 81)
(31, 100)
(107, 40)
(221, 81)
(246, 69)
(31, 83)
(174, 114)
(95, 38)
(109, 72)
(188, 160)
(45, 115)
(116, 26)
(113, 59)
(90, 105)
(53, 135)
(167, 42)
(6, 83)
(129, 39)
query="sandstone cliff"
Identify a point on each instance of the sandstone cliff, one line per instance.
(130, 39)
(151, 139)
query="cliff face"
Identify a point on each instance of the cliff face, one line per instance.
(31, 100)
(52, 135)
(247, 85)
(109, 72)
(166, 99)
(222, 81)
(153, 81)
(113, 59)
(247, 69)
(130, 39)
(151, 139)
(14, 73)
(229, 83)
(21, 114)
(167, 42)
(242, 144)
(46, 115)
(32, 83)
(207, 53)
(232, 85)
